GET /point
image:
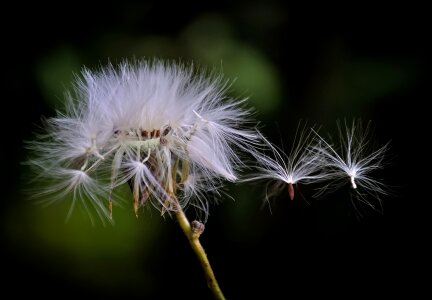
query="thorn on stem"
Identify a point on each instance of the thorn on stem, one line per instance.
(197, 228)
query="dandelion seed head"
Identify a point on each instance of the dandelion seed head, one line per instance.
(162, 127)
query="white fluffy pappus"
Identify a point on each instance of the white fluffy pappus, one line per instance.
(353, 160)
(303, 164)
(166, 130)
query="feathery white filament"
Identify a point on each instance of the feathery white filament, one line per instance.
(353, 160)
(303, 164)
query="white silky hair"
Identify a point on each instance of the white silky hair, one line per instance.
(353, 160)
(302, 164)
(314, 159)
(160, 126)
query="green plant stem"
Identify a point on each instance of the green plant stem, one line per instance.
(200, 252)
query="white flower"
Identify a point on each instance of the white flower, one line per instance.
(353, 161)
(303, 164)
(161, 127)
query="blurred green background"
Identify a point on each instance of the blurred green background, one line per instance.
(293, 62)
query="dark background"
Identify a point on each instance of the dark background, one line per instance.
(319, 63)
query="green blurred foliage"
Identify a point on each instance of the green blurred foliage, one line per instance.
(210, 40)
(354, 87)
(87, 252)
(56, 72)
